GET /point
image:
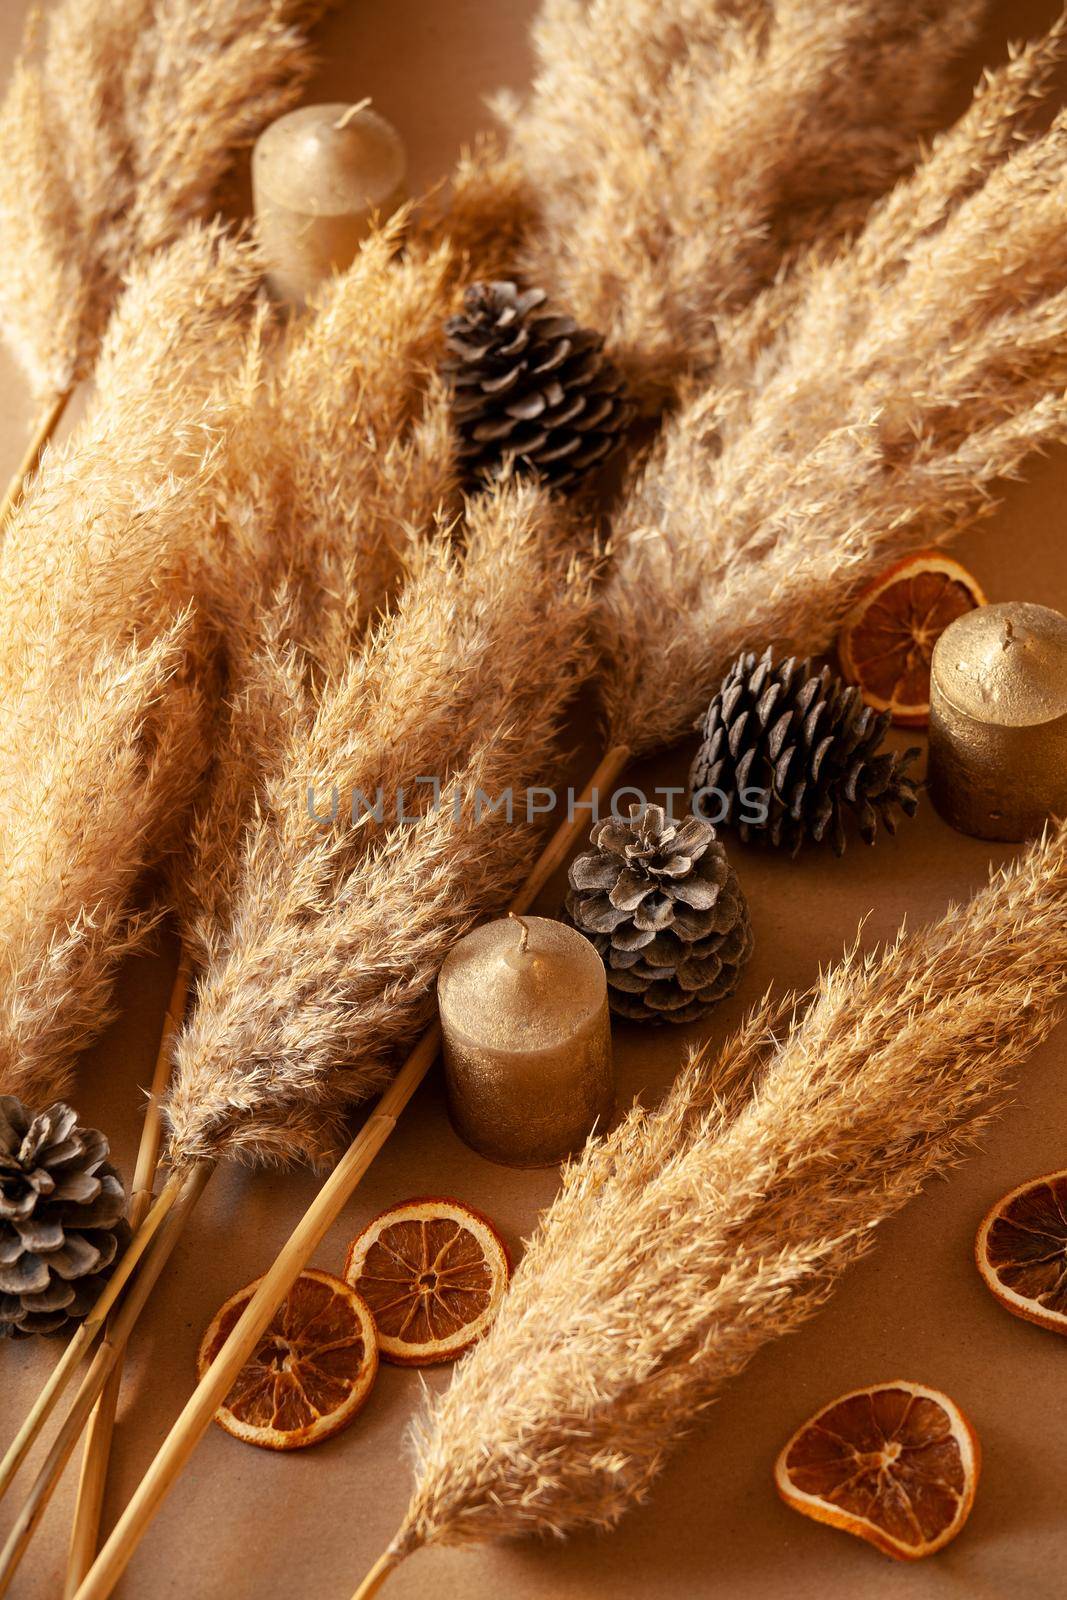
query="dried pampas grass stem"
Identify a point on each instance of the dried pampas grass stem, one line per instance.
(696, 1232)
(104, 666)
(102, 660)
(145, 1220)
(92, 1482)
(339, 1186)
(88, 1331)
(864, 407)
(107, 1357)
(48, 420)
(677, 154)
(280, 464)
(98, 1442)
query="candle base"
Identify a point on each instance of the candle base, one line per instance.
(986, 792)
(531, 1118)
(502, 1156)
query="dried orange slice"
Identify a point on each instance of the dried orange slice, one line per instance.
(889, 635)
(895, 1464)
(310, 1373)
(1021, 1250)
(433, 1273)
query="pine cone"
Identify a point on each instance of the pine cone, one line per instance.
(531, 385)
(663, 906)
(62, 1210)
(791, 753)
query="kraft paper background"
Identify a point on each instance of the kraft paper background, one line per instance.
(243, 1523)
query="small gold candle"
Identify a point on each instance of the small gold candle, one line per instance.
(527, 1040)
(319, 175)
(998, 721)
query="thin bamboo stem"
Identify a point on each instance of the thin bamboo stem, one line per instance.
(86, 1334)
(43, 429)
(385, 1564)
(88, 1506)
(217, 1381)
(104, 1362)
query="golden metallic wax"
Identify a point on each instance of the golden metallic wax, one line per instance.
(319, 175)
(998, 721)
(527, 1040)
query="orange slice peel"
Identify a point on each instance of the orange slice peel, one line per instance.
(1021, 1251)
(895, 1464)
(311, 1372)
(888, 637)
(434, 1273)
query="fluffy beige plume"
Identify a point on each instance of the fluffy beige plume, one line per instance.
(485, 210)
(866, 409)
(696, 1232)
(102, 737)
(338, 454)
(335, 929)
(115, 133)
(679, 152)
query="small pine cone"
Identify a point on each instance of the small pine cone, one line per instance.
(663, 906)
(791, 753)
(532, 386)
(62, 1218)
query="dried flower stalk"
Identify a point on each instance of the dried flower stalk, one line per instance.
(861, 410)
(696, 1232)
(679, 152)
(323, 966)
(337, 470)
(100, 657)
(337, 446)
(485, 212)
(321, 948)
(115, 134)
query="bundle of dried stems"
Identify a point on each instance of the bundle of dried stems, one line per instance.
(319, 930)
(115, 134)
(863, 408)
(101, 659)
(696, 1232)
(325, 965)
(277, 491)
(317, 940)
(677, 153)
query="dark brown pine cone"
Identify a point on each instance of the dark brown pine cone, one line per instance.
(791, 755)
(62, 1218)
(532, 386)
(663, 906)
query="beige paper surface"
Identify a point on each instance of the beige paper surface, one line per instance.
(243, 1523)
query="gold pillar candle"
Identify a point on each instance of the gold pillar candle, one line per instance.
(527, 1040)
(319, 175)
(998, 721)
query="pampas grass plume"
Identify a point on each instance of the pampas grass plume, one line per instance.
(863, 408)
(679, 154)
(102, 658)
(696, 1232)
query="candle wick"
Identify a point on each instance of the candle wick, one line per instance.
(1009, 634)
(353, 111)
(524, 936)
